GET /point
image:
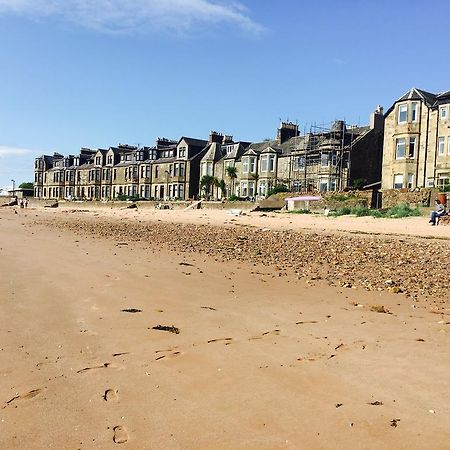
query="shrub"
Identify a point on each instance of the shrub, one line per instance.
(276, 189)
(361, 211)
(233, 198)
(402, 210)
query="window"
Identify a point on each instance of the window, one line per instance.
(443, 112)
(402, 113)
(156, 171)
(441, 145)
(181, 169)
(98, 160)
(271, 163)
(262, 188)
(400, 148)
(252, 164)
(398, 181)
(414, 109)
(244, 165)
(264, 164)
(182, 152)
(324, 160)
(412, 147)
(244, 189)
(323, 187)
(410, 183)
(443, 180)
(332, 183)
(251, 188)
(209, 168)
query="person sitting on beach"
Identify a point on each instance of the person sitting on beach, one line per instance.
(438, 212)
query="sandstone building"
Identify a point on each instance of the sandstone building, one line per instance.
(329, 159)
(417, 141)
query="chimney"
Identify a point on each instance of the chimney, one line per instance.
(377, 118)
(286, 131)
(215, 137)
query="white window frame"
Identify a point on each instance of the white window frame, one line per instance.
(271, 163)
(245, 164)
(264, 164)
(410, 181)
(244, 189)
(443, 113)
(402, 109)
(396, 181)
(251, 188)
(252, 164)
(413, 154)
(441, 145)
(414, 111)
(262, 187)
(399, 141)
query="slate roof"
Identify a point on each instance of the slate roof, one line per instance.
(194, 142)
(214, 152)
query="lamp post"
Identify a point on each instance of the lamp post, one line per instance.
(14, 188)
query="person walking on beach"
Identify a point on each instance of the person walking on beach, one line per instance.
(438, 212)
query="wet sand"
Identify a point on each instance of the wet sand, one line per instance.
(264, 358)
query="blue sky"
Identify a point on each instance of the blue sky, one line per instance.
(95, 73)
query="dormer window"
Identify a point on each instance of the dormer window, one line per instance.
(443, 112)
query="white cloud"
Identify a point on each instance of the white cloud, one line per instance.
(116, 16)
(14, 151)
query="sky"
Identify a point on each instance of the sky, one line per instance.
(95, 73)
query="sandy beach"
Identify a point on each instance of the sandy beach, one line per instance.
(148, 329)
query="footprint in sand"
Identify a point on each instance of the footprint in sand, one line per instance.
(29, 395)
(111, 395)
(120, 435)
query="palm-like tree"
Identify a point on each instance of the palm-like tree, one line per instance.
(206, 183)
(232, 173)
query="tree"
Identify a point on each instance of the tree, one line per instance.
(222, 186)
(28, 185)
(206, 183)
(232, 174)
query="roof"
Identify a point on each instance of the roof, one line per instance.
(428, 98)
(418, 94)
(214, 152)
(193, 141)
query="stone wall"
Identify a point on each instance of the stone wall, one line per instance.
(417, 197)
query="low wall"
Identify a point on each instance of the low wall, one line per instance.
(420, 197)
(142, 204)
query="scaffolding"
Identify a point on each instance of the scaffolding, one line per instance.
(320, 159)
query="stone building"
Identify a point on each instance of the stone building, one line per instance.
(168, 170)
(322, 160)
(417, 141)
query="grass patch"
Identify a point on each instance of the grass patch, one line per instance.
(301, 211)
(396, 212)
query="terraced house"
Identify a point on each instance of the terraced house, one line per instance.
(170, 169)
(321, 160)
(417, 141)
